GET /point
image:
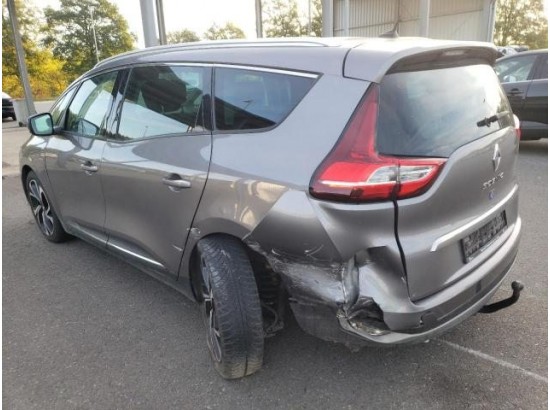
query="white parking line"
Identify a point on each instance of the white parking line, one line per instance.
(495, 360)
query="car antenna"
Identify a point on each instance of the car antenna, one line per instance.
(393, 33)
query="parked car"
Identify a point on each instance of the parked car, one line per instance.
(370, 184)
(524, 78)
(506, 51)
(7, 107)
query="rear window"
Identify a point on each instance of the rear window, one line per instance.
(432, 113)
(250, 99)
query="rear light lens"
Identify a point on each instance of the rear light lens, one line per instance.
(517, 127)
(354, 172)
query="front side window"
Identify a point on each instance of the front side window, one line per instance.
(515, 69)
(59, 108)
(90, 105)
(249, 99)
(164, 100)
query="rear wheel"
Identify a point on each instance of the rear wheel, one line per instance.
(43, 212)
(230, 307)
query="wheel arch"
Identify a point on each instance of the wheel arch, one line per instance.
(260, 266)
(194, 261)
(24, 172)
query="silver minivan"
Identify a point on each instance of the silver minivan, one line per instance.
(369, 184)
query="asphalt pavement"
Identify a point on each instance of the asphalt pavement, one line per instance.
(82, 329)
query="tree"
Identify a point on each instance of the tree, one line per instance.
(284, 19)
(69, 31)
(521, 22)
(316, 19)
(45, 71)
(228, 31)
(182, 36)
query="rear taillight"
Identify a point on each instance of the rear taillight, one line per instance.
(517, 127)
(354, 172)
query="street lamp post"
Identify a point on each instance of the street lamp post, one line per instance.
(20, 53)
(95, 37)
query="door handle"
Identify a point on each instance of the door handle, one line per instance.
(514, 92)
(175, 181)
(88, 167)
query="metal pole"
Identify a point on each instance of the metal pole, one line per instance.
(309, 17)
(328, 18)
(346, 18)
(160, 22)
(95, 37)
(259, 28)
(20, 53)
(148, 21)
(424, 18)
(491, 24)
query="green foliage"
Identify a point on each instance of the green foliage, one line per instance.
(45, 71)
(181, 36)
(521, 22)
(228, 31)
(284, 19)
(69, 31)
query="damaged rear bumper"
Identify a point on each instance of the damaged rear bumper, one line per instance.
(360, 305)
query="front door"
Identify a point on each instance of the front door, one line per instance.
(73, 158)
(155, 167)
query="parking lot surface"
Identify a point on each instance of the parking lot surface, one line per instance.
(82, 329)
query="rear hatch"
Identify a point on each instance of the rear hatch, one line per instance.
(458, 114)
(435, 135)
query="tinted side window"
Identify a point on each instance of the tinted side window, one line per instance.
(515, 69)
(163, 100)
(542, 71)
(90, 104)
(249, 99)
(60, 106)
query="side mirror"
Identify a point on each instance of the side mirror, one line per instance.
(41, 125)
(509, 79)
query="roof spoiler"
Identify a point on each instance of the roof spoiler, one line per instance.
(452, 57)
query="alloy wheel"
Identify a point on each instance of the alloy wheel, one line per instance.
(41, 207)
(209, 314)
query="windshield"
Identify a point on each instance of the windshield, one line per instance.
(432, 113)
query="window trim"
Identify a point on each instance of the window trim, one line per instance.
(112, 137)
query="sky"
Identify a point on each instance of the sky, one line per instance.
(195, 15)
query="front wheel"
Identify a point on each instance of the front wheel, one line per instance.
(231, 307)
(42, 210)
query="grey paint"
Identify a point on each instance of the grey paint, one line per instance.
(78, 193)
(143, 214)
(456, 198)
(374, 57)
(337, 260)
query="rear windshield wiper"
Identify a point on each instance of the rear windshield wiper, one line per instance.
(487, 121)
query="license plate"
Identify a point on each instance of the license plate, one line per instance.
(478, 241)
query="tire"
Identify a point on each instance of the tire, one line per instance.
(231, 307)
(43, 212)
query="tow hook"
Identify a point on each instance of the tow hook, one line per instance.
(517, 287)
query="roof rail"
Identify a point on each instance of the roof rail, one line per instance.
(208, 44)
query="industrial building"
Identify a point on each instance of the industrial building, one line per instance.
(446, 19)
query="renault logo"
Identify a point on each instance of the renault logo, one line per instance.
(496, 157)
